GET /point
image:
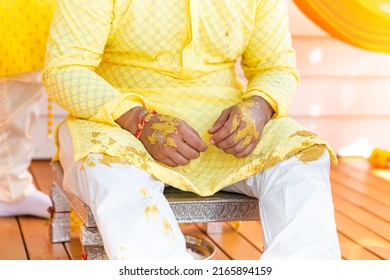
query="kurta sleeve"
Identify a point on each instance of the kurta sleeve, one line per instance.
(269, 61)
(78, 36)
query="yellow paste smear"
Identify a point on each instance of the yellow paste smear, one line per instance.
(311, 154)
(235, 124)
(91, 161)
(167, 226)
(246, 116)
(151, 210)
(143, 192)
(167, 125)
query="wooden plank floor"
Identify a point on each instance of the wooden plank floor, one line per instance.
(362, 202)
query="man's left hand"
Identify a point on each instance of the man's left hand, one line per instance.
(239, 127)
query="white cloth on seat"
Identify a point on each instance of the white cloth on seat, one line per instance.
(19, 106)
(20, 97)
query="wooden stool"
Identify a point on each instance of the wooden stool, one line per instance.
(187, 207)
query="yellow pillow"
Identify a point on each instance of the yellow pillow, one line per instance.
(24, 28)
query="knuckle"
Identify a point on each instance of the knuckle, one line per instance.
(167, 151)
(164, 152)
(217, 138)
(230, 141)
(181, 126)
(228, 126)
(225, 111)
(158, 157)
(198, 147)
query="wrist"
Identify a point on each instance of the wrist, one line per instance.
(264, 106)
(129, 120)
(143, 118)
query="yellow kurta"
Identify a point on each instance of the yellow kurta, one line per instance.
(178, 58)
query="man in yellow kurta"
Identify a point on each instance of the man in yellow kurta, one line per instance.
(153, 98)
(24, 27)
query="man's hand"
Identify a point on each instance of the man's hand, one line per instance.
(238, 129)
(169, 140)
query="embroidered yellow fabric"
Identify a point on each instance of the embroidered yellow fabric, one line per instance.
(177, 58)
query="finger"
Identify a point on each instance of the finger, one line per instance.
(179, 159)
(236, 149)
(192, 138)
(246, 151)
(227, 130)
(203, 146)
(169, 162)
(220, 121)
(162, 154)
(228, 142)
(187, 151)
(191, 128)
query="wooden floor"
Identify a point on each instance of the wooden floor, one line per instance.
(362, 202)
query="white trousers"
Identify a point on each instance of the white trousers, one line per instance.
(136, 221)
(19, 110)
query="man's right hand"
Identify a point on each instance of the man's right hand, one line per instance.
(169, 140)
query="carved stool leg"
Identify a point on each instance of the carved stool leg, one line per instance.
(59, 229)
(92, 244)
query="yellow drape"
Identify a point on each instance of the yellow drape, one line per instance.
(24, 28)
(361, 23)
